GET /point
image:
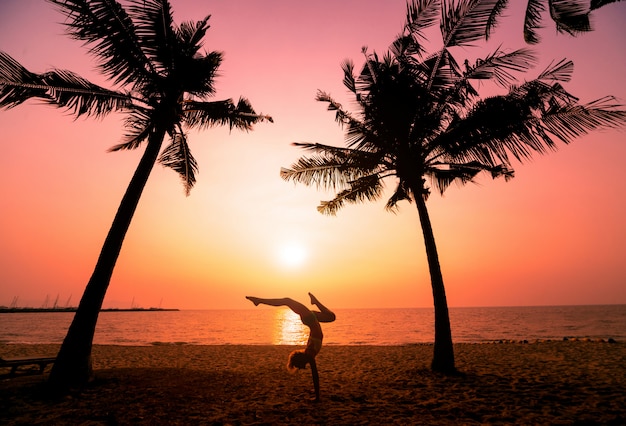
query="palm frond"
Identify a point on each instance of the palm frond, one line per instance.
(341, 116)
(405, 45)
(318, 171)
(154, 28)
(596, 4)
(191, 34)
(325, 149)
(497, 11)
(539, 95)
(219, 113)
(61, 88)
(106, 27)
(420, 15)
(139, 125)
(521, 123)
(178, 157)
(465, 22)
(367, 77)
(571, 121)
(17, 84)
(532, 18)
(496, 127)
(195, 71)
(442, 70)
(359, 132)
(400, 194)
(356, 130)
(366, 188)
(442, 178)
(199, 73)
(359, 135)
(563, 122)
(499, 65)
(357, 161)
(79, 96)
(444, 174)
(571, 16)
(561, 71)
(333, 168)
(348, 75)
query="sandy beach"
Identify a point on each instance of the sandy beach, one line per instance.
(564, 382)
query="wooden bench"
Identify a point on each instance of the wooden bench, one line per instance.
(15, 363)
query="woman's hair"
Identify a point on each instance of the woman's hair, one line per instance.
(297, 360)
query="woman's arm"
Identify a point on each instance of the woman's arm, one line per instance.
(316, 379)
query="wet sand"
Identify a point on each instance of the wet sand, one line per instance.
(564, 382)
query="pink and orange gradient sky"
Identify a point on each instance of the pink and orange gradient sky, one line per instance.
(556, 234)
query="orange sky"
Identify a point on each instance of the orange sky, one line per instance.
(553, 235)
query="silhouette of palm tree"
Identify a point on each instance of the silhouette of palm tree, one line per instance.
(164, 82)
(421, 120)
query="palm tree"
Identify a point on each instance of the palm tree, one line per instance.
(163, 81)
(421, 123)
(570, 16)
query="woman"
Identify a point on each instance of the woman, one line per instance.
(300, 358)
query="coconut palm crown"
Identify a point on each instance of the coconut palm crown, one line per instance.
(420, 124)
(163, 81)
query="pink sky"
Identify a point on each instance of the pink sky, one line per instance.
(553, 235)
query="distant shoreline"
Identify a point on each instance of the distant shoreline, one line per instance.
(46, 310)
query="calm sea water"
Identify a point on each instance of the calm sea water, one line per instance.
(278, 326)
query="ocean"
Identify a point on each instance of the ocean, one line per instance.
(279, 326)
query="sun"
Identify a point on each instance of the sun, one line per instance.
(292, 255)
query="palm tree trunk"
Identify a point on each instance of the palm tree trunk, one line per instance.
(443, 354)
(72, 367)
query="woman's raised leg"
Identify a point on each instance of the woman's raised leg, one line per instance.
(325, 314)
(295, 306)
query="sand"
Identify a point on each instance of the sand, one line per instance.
(564, 382)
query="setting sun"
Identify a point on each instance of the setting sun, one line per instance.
(292, 255)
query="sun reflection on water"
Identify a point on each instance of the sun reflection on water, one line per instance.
(288, 329)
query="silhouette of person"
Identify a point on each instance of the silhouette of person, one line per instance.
(298, 359)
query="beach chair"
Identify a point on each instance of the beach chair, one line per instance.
(15, 363)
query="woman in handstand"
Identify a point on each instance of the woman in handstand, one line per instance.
(300, 358)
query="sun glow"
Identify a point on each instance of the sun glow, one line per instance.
(292, 255)
(289, 329)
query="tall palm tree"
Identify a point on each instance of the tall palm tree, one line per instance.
(163, 79)
(421, 123)
(569, 16)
